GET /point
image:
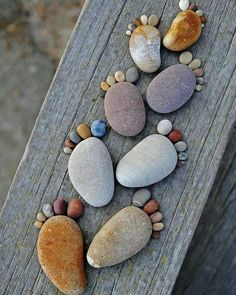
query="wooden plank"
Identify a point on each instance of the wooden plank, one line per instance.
(99, 46)
(209, 267)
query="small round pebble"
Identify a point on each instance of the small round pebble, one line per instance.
(182, 156)
(137, 22)
(185, 57)
(131, 27)
(38, 224)
(70, 144)
(67, 150)
(84, 131)
(119, 76)
(193, 7)
(110, 80)
(156, 217)
(48, 210)
(157, 226)
(200, 80)
(199, 12)
(202, 25)
(60, 206)
(141, 197)
(98, 128)
(132, 75)
(155, 235)
(184, 4)
(199, 72)
(153, 20)
(195, 64)
(151, 207)
(74, 137)
(203, 19)
(164, 127)
(198, 87)
(180, 146)
(128, 33)
(180, 163)
(41, 217)
(104, 85)
(175, 136)
(144, 19)
(75, 208)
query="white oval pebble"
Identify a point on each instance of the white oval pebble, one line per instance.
(199, 12)
(200, 80)
(144, 19)
(195, 64)
(164, 127)
(185, 57)
(110, 80)
(158, 226)
(184, 4)
(198, 87)
(180, 146)
(153, 20)
(67, 150)
(119, 76)
(128, 33)
(202, 25)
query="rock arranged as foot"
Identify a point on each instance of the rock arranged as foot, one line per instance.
(60, 253)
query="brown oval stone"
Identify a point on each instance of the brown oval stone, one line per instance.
(75, 208)
(60, 253)
(84, 131)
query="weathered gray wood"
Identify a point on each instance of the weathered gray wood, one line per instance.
(209, 267)
(99, 46)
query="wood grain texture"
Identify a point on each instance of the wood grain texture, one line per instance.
(99, 46)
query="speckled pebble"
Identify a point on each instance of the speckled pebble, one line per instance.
(183, 156)
(175, 135)
(158, 226)
(98, 128)
(195, 64)
(119, 76)
(132, 75)
(185, 57)
(104, 85)
(153, 20)
(193, 7)
(199, 12)
(200, 80)
(84, 131)
(180, 146)
(144, 19)
(164, 127)
(41, 217)
(198, 87)
(48, 210)
(131, 27)
(67, 150)
(75, 208)
(38, 224)
(141, 197)
(70, 144)
(199, 72)
(151, 207)
(180, 163)
(184, 4)
(110, 80)
(60, 206)
(156, 217)
(74, 137)
(156, 235)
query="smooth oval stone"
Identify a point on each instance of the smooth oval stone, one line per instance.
(144, 46)
(151, 160)
(184, 31)
(124, 235)
(171, 89)
(91, 172)
(124, 109)
(141, 196)
(60, 254)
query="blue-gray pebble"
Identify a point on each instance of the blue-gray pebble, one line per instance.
(132, 75)
(98, 128)
(74, 137)
(182, 156)
(48, 210)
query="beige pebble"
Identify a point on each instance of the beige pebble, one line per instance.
(185, 57)
(111, 80)
(104, 86)
(153, 20)
(128, 33)
(156, 217)
(41, 217)
(84, 131)
(144, 19)
(195, 64)
(119, 76)
(158, 226)
(67, 150)
(198, 87)
(38, 224)
(202, 25)
(199, 12)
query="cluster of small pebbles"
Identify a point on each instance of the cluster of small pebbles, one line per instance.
(152, 20)
(186, 5)
(141, 199)
(83, 131)
(74, 209)
(186, 58)
(165, 128)
(131, 76)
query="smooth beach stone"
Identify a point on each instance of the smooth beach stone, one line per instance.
(110, 80)
(184, 4)
(124, 109)
(124, 235)
(150, 161)
(91, 172)
(200, 80)
(185, 57)
(60, 206)
(184, 31)
(141, 197)
(158, 226)
(153, 20)
(144, 19)
(180, 146)
(98, 128)
(132, 75)
(171, 89)
(182, 156)
(195, 64)
(41, 217)
(48, 210)
(38, 224)
(84, 131)
(151, 207)
(144, 46)
(156, 217)
(67, 150)
(60, 254)
(164, 127)
(75, 208)
(74, 137)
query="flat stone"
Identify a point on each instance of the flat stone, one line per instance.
(91, 172)
(151, 160)
(144, 46)
(74, 137)
(132, 75)
(171, 89)
(124, 235)
(60, 254)
(164, 127)
(124, 109)
(141, 197)
(185, 57)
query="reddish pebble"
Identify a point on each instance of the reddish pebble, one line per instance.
(151, 207)
(199, 72)
(180, 163)
(75, 208)
(156, 235)
(70, 144)
(175, 135)
(203, 19)
(192, 7)
(60, 206)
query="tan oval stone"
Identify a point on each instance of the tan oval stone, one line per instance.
(60, 253)
(84, 131)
